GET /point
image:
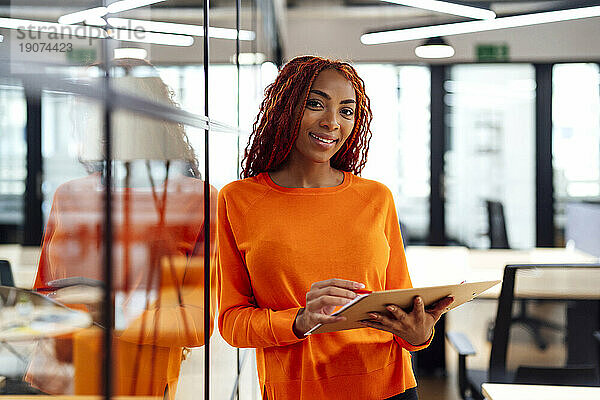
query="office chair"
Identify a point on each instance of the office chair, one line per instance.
(497, 225)
(577, 371)
(499, 240)
(6, 276)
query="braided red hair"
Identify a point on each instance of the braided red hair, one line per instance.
(276, 127)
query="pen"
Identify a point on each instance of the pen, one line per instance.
(362, 291)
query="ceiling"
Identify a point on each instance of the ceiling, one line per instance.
(500, 6)
(223, 11)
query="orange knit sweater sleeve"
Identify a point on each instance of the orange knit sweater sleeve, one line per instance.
(397, 272)
(241, 322)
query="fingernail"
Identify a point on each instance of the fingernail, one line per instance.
(373, 316)
(419, 300)
(391, 308)
(359, 286)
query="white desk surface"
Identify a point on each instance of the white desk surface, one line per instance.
(442, 265)
(499, 391)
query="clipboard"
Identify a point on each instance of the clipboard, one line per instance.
(359, 308)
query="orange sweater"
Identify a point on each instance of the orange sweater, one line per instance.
(274, 242)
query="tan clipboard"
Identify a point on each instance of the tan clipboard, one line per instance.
(359, 308)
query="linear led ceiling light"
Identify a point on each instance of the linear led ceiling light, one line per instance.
(95, 21)
(448, 8)
(81, 16)
(179, 29)
(97, 12)
(52, 27)
(125, 5)
(150, 37)
(458, 28)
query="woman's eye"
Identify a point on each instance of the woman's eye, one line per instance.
(313, 103)
(347, 112)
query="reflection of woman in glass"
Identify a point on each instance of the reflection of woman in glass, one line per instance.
(158, 246)
(302, 233)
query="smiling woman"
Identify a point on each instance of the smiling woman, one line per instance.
(302, 234)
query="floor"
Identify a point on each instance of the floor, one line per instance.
(438, 388)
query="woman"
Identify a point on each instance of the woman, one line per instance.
(302, 232)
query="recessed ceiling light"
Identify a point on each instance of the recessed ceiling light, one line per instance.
(250, 58)
(434, 48)
(130, 52)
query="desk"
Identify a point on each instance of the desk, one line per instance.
(500, 391)
(441, 265)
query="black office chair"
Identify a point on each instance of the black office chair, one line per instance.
(496, 225)
(581, 367)
(6, 276)
(499, 240)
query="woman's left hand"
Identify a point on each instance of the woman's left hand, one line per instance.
(415, 326)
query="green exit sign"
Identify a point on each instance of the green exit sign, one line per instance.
(492, 52)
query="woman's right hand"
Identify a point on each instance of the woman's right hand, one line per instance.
(321, 300)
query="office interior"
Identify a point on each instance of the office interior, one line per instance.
(492, 155)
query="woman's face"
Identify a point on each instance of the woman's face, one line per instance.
(328, 118)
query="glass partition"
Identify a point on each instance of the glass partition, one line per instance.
(491, 152)
(575, 137)
(13, 153)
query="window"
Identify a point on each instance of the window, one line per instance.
(399, 150)
(13, 151)
(491, 151)
(575, 136)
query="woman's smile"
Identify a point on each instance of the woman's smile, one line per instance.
(322, 140)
